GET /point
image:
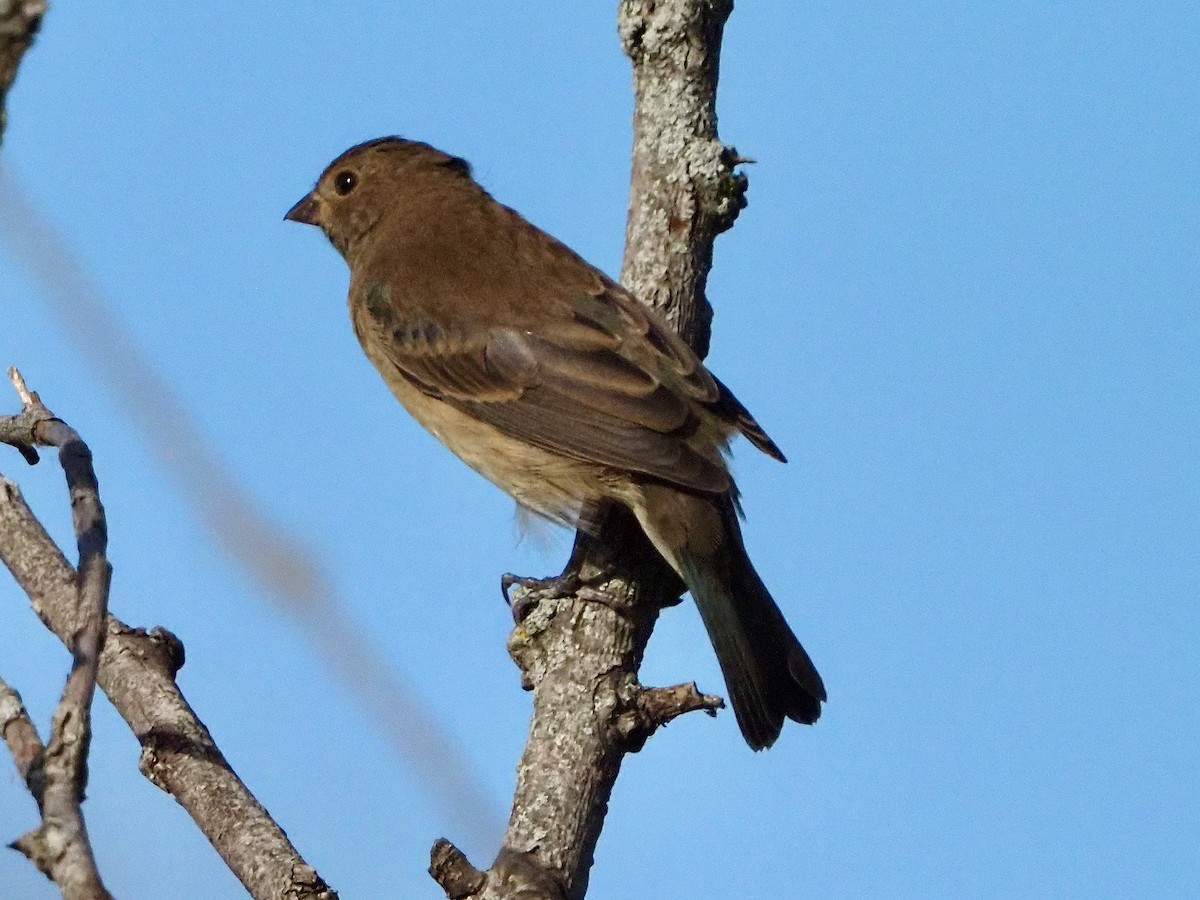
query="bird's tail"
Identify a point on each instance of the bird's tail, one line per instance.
(768, 674)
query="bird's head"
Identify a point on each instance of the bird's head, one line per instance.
(362, 184)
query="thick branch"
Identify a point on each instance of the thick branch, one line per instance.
(683, 188)
(137, 672)
(580, 656)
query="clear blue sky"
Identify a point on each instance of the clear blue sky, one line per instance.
(963, 300)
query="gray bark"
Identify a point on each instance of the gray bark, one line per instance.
(580, 650)
(136, 669)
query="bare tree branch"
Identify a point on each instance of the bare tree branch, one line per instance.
(683, 188)
(580, 657)
(21, 736)
(19, 21)
(137, 671)
(59, 847)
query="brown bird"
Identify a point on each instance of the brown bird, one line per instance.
(550, 380)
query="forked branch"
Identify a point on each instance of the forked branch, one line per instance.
(136, 669)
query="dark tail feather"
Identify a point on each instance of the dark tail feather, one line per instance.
(768, 674)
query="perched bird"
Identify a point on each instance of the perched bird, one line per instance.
(548, 378)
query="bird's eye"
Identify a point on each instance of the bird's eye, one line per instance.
(344, 182)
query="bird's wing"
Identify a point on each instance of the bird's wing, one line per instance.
(682, 362)
(608, 385)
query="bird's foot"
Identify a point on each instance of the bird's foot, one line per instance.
(532, 591)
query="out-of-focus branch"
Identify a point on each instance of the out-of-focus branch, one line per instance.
(137, 671)
(287, 570)
(579, 656)
(59, 847)
(19, 21)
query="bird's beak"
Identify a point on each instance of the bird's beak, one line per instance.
(306, 211)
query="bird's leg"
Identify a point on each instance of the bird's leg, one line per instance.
(580, 577)
(532, 591)
(591, 564)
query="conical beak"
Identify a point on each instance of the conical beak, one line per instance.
(306, 211)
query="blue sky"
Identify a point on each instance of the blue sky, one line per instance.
(962, 299)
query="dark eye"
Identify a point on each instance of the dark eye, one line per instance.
(344, 182)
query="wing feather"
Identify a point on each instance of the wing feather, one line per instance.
(601, 379)
(572, 396)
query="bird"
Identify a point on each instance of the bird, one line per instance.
(556, 384)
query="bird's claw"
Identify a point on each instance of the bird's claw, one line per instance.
(535, 590)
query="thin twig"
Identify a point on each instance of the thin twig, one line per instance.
(59, 847)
